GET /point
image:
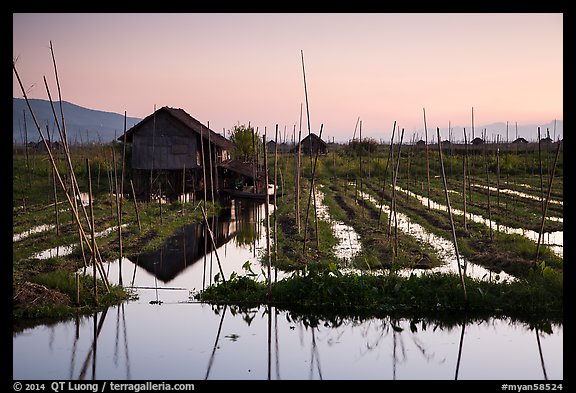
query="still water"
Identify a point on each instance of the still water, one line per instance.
(165, 335)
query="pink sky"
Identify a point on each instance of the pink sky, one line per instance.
(229, 69)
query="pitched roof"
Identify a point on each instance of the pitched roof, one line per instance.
(313, 137)
(188, 121)
(237, 166)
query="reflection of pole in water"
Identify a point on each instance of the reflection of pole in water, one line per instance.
(215, 342)
(76, 337)
(540, 351)
(134, 273)
(97, 329)
(315, 352)
(460, 348)
(269, 340)
(155, 279)
(128, 376)
(117, 342)
(204, 257)
(276, 343)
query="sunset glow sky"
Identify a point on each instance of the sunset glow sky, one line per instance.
(229, 69)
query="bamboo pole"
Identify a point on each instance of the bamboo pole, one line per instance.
(394, 207)
(275, 203)
(267, 207)
(464, 161)
(427, 160)
(298, 163)
(213, 243)
(386, 172)
(183, 187)
(310, 195)
(547, 201)
(93, 235)
(360, 163)
(210, 163)
(462, 282)
(540, 171)
(488, 188)
(60, 181)
(153, 156)
(55, 203)
(118, 216)
(498, 171)
(135, 205)
(203, 164)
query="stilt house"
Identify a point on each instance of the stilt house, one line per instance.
(171, 151)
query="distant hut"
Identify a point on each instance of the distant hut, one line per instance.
(421, 144)
(271, 147)
(520, 141)
(477, 141)
(546, 141)
(167, 148)
(315, 142)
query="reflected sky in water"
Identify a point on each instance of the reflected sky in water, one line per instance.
(163, 335)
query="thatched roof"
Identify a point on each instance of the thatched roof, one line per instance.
(188, 121)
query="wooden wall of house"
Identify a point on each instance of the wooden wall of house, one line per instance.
(167, 144)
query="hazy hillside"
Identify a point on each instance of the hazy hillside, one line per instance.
(82, 124)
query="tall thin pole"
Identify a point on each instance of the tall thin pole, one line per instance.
(547, 201)
(464, 159)
(275, 203)
(451, 220)
(93, 236)
(267, 209)
(427, 160)
(203, 164)
(210, 163)
(386, 172)
(298, 163)
(310, 194)
(118, 215)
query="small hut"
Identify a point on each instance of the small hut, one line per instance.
(167, 150)
(520, 141)
(312, 141)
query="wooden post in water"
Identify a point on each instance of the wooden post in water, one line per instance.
(60, 181)
(427, 160)
(118, 215)
(488, 187)
(310, 194)
(210, 163)
(135, 205)
(386, 172)
(498, 171)
(93, 235)
(213, 244)
(203, 164)
(395, 179)
(275, 203)
(547, 201)
(267, 208)
(464, 159)
(540, 170)
(462, 282)
(298, 164)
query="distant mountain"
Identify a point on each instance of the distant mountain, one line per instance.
(83, 125)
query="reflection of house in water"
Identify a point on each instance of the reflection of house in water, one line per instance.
(192, 242)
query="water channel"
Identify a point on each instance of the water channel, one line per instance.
(165, 335)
